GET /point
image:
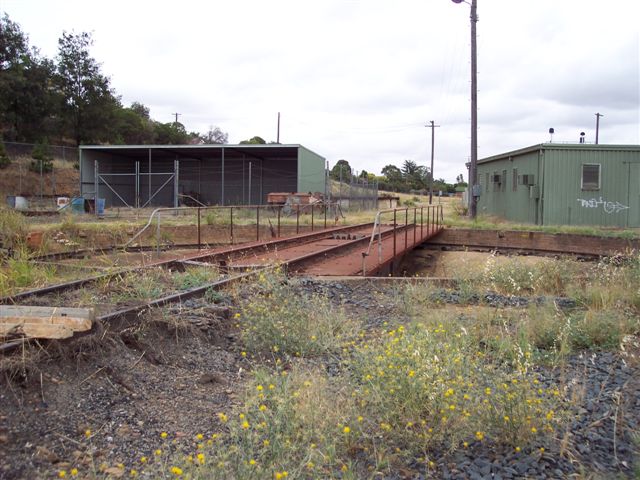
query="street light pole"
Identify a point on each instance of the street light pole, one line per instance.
(473, 175)
(473, 166)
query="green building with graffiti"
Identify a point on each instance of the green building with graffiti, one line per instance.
(563, 184)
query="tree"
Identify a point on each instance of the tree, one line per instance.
(5, 161)
(215, 136)
(341, 171)
(416, 177)
(27, 103)
(88, 103)
(253, 141)
(172, 133)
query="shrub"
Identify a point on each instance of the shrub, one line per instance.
(430, 386)
(5, 161)
(195, 277)
(13, 229)
(42, 158)
(278, 319)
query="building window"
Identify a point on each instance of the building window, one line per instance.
(514, 180)
(503, 180)
(590, 176)
(486, 177)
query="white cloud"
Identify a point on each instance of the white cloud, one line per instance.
(359, 79)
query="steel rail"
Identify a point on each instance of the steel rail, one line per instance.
(215, 254)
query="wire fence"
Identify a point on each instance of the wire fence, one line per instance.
(58, 152)
(355, 195)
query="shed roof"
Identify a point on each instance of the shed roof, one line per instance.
(252, 150)
(561, 146)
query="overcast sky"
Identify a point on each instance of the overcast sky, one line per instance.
(359, 79)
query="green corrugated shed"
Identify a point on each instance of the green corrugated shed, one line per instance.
(563, 184)
(311, 171)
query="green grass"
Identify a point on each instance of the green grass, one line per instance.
(483, 222)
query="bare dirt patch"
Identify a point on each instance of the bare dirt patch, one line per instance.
(105, 398)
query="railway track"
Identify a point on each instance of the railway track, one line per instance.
(212, 257)
(343, 249)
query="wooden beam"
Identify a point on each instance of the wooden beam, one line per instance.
(35, 330)
(76, 319)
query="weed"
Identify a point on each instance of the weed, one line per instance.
(513, 277)
(19, 272)
(214, 296)
(13, 229)
(279, 320)
(195, 277)
(147, 285)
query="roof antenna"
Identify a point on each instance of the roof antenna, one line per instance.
(551, 132)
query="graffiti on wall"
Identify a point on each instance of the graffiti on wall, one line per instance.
(608, 207)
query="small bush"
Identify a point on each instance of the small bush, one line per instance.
(13, 229)
(430, 386)
(195, 277)
(512, 277)
(602, 329)
(42, 158)
(19, 272)
(5, 161)
(279, 320)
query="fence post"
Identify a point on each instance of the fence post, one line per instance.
(158, 236)
(257, 223)
(297, 218)
(199, 237)
(279, 211)
(325, 216)
(429, 220)
(421, 215)
(231, 228)
(312, 205)
(415, 213)
(406, 226)
(394, 236)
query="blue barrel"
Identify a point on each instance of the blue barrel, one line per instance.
(100, 207)
(77, 205)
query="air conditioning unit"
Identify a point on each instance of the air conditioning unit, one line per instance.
(527, 179)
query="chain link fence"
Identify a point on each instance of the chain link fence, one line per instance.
(59, 152)
(355, 195)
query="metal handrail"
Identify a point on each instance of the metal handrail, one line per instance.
(436, 218)
(156, 214)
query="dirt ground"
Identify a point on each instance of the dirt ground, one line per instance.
(102, 400)
(106, 398)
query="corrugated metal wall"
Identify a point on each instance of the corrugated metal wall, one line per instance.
(238, 179)
(613, 204)
(556, 196)
(311, 171)
(509, 199)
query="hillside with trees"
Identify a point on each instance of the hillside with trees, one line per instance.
(409, 178)
(68, 100)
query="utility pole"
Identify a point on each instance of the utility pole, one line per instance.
(278, 135)
(598, 115)
(433, 127)
(473, 176)
(177, 115)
